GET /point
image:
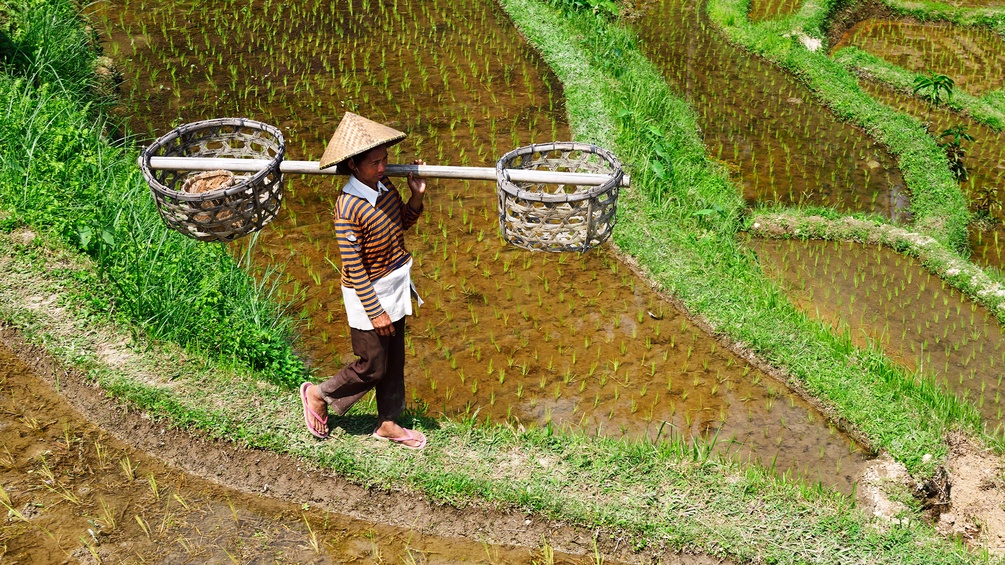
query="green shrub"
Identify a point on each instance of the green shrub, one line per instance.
(60, 174)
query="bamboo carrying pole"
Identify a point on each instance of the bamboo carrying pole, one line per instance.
(426, 171)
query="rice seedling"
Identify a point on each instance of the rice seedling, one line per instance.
(107, 517)
(928, 317)
(128, 468)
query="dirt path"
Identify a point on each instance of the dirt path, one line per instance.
(259, 472)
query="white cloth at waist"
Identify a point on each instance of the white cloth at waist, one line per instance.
(393, 292)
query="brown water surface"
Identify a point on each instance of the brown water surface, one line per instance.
(575, 341)
(761, 10)
(985, 162)
(778, 141)
(973, 56)
(72, 492)
(883, 297)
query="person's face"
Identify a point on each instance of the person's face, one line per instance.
(371, 166)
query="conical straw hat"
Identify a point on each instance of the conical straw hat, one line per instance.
(354, 135)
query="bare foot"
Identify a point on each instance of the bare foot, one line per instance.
(390, 429)
(320, 407)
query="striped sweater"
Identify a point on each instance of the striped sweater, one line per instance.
(371, 240)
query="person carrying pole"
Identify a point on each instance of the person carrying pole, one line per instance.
(370, 221)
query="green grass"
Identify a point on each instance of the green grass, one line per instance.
(988, 109)
(60, 174)
(938, 204)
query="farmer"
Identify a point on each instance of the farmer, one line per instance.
(370, 221)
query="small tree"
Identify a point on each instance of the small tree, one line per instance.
(933, 86)
(954, 149)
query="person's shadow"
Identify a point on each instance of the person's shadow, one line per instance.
(364, 424)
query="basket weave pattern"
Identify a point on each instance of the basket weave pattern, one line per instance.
(543, 217)
(247, 204)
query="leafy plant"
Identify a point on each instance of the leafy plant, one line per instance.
(936, 88)
(954, 149)
(605, 8)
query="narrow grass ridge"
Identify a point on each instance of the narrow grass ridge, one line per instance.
(938, 204)
(988, 109)
(987, 16)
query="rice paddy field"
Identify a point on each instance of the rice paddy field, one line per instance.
(969, 56)
(779, 143)
(973, 56)
(574, 341)
(885, 300)
(579, 343)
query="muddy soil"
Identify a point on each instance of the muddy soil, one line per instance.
(122, 493)
(850, 13)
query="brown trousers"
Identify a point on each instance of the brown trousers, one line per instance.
(380, 364)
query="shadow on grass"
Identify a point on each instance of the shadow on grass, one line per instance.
(364, 424)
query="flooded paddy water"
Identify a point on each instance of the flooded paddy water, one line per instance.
(780, 144)
(73, 493)
(985, 163)
(974, 57)
(882, 297)
(761, 10)
(573, 341)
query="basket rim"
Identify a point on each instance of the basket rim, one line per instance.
(504, 183)
(236, 188)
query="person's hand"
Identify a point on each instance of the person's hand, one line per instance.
(416, 183)
(383, 326)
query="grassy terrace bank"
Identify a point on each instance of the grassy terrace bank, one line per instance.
(939, 207)
(988, 109)
(669, 495)
(924, 10)
(59, 170)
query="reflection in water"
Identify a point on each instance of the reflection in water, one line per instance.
(72, 492)
(780, 144)
(575, 341)
(881, 296)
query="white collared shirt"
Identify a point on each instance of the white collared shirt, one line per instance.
(393, 290)
(356, 187)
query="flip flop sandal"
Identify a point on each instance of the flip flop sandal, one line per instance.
(308, 413)
(410, 435)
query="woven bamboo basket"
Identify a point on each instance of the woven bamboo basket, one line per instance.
(558, 217)
(218, 205)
